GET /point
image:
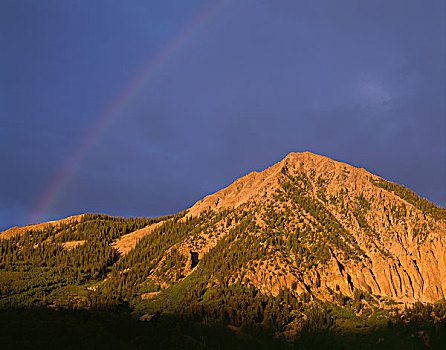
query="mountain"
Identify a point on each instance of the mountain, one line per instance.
(308, 242)
(353, 229)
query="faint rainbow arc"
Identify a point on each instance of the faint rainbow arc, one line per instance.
(64, 174)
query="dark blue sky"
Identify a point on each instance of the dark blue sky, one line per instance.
(359, 81)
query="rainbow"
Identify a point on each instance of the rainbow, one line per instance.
(65, 173)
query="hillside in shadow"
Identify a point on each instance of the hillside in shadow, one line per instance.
(81, 329)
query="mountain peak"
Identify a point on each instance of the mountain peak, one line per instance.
(268, 180)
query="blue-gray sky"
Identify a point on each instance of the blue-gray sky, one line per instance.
(359, 81)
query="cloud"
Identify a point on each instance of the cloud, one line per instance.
(374, 92)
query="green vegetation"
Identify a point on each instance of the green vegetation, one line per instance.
(129, 273)
(422, 204)
(333, 234)
(420, 327)
(35, 267)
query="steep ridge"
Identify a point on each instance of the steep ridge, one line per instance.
(20, 230)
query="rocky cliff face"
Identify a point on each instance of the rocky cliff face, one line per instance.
(382, 238)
